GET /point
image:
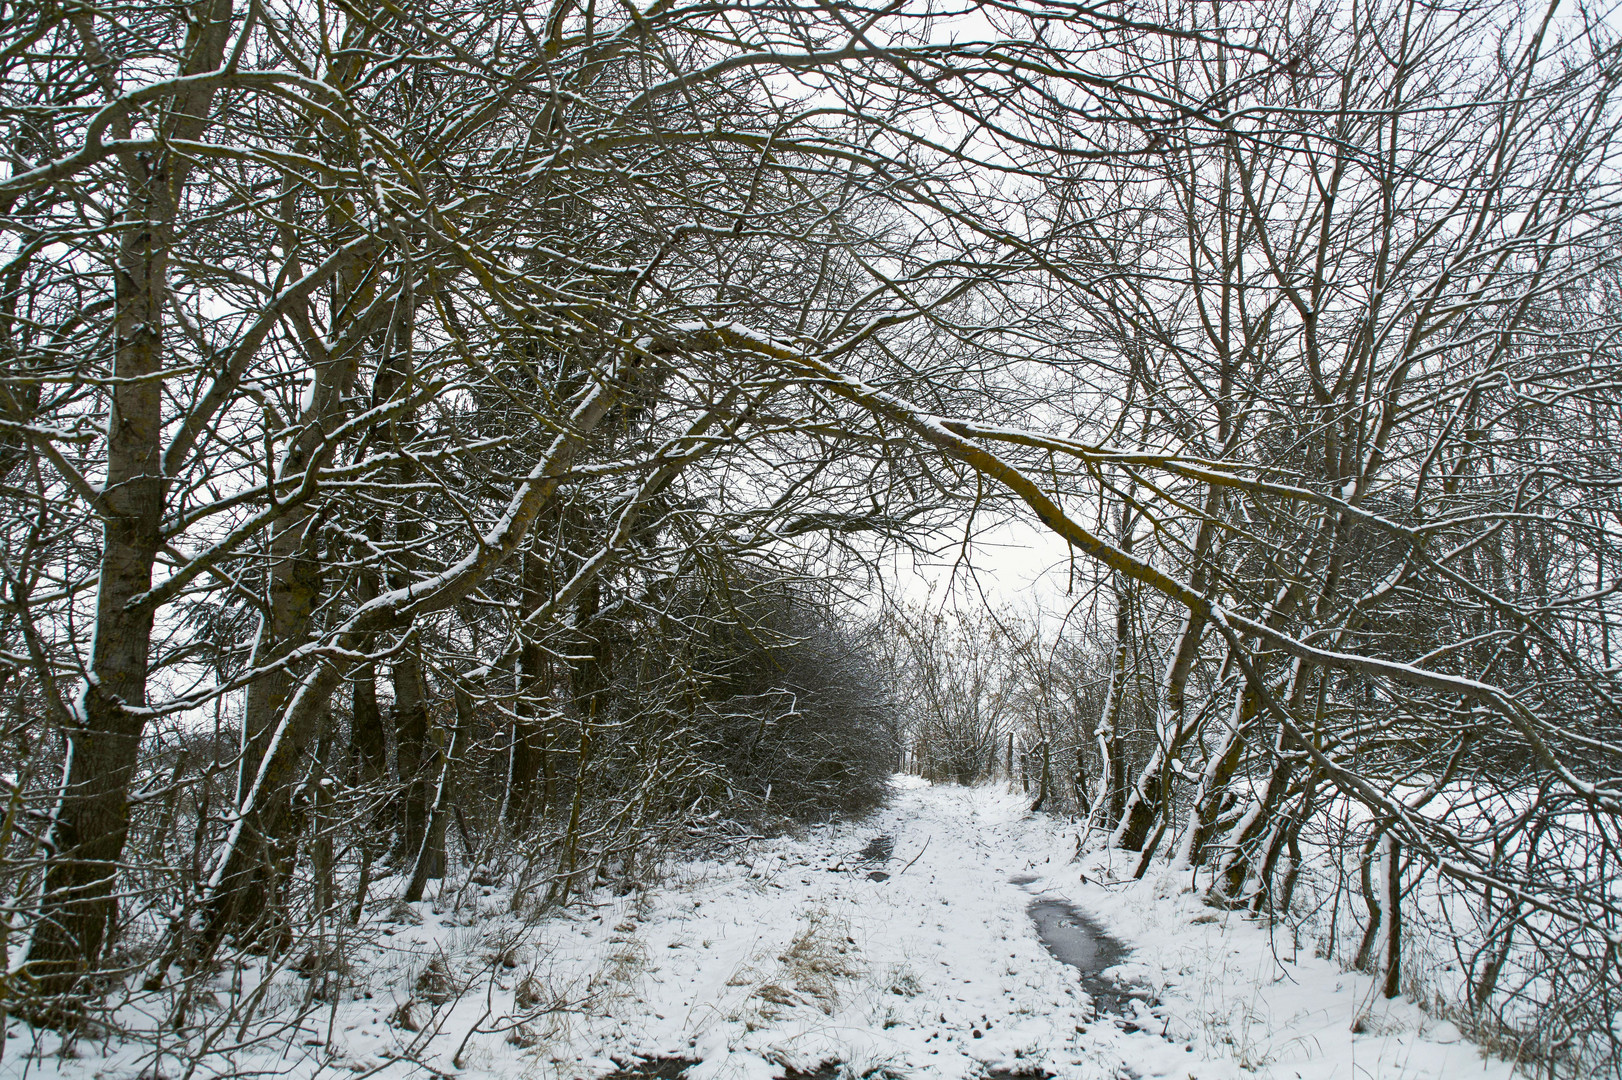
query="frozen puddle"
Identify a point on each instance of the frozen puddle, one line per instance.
(1072, 938)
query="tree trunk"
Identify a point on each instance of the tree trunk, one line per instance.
(1241, 863)
(296, 584)
(1045, 781)
(430, 861)
(411, 751)
(1219, 770)
(1111, 802)
(1150, 795)
(84, 840)
(526, 800)
(1372, 900)
(368, 748)
(1392, 985)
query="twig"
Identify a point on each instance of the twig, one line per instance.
(916, 857)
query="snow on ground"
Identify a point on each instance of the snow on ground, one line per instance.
(791, 955)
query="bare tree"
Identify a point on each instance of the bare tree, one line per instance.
(426, 354)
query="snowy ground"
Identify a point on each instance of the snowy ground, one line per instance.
(790, 956)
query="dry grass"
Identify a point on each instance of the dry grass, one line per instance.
(820, 957)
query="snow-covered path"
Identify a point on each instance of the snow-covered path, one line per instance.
(790, 956)
(794, 957)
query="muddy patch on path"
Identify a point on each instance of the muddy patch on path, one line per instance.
(879, 849)
(665, 1068)
(1070, 937)
(675, 1068)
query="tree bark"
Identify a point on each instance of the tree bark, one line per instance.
(1111, 802)
(410, 714)
(530, 758)
(1151, 793)
(1392, 985)
(90, 820)
(430, 860)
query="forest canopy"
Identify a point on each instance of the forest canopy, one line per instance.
(451, 433)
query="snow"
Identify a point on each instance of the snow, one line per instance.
(789, 953)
